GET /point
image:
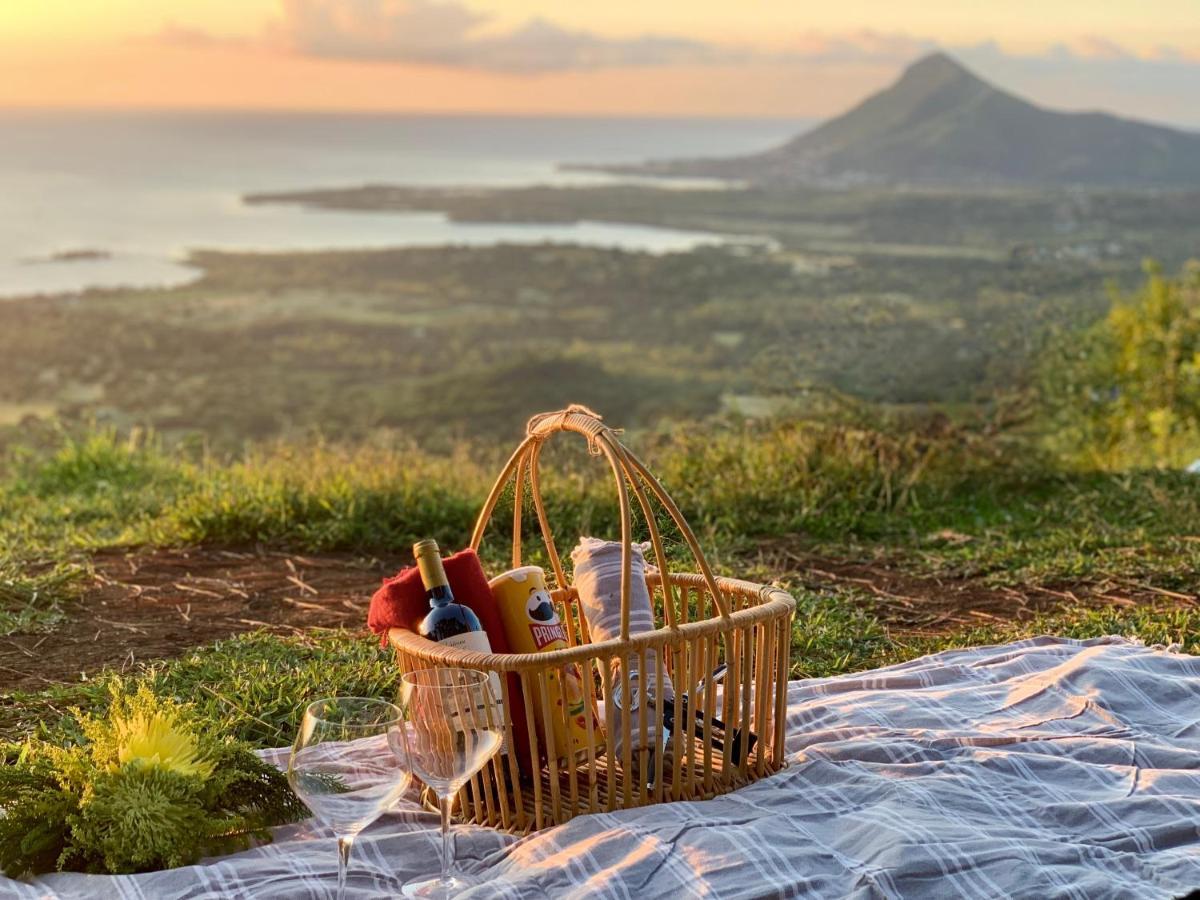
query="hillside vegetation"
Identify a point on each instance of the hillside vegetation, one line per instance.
(942, 508)
(899, 298)
(767, 501)
(898, 535)
(1126, 392)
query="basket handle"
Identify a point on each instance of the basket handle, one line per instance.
(629, 474)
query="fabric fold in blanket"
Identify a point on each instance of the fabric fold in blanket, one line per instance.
(1047, 768)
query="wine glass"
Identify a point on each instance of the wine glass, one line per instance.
(455, 728)
(349, 765)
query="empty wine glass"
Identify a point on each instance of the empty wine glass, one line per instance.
(349, 765)
(455, 728)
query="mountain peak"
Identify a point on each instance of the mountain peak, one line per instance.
(941, 123)
(935, 70)
(936, 62)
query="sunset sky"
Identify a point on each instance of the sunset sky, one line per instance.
(661, 57)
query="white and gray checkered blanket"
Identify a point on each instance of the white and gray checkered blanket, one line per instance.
(1045, 768)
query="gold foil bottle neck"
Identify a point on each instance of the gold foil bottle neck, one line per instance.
(429, 563)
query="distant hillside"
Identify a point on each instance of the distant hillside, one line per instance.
(941, 123)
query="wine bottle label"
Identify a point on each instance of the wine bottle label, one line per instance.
(477, 641)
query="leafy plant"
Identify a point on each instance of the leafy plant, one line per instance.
(1126, 393)
(150, 786)
(31, 594)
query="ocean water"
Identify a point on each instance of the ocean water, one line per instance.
(142, 189)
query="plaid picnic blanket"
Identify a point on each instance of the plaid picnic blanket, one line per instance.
(1044, 768)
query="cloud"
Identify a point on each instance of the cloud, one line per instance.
(447, 33)
(864, 45)
(185, 36)
(451, 34)
(1087, 50)
(1093, 47)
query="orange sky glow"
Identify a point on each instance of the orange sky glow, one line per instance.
(677, 57)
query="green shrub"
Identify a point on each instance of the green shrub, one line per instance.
(1126, 393)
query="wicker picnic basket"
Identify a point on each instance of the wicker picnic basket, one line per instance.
(703, 621)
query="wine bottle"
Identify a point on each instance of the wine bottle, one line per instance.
(742, 742)
(448, 621)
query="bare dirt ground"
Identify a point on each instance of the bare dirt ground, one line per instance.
(922, 605)
(148, 604)
(153, 604)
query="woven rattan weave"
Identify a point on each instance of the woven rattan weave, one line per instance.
(703, 620)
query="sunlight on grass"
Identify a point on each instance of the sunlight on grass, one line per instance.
(32, 600)
(256, 684)
(845, 491)
(835, 488)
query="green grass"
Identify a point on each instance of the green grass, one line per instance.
(91, 490)
(842, 491)
(838, 634)
(257, 684)
(1043, 527)
(32, 600)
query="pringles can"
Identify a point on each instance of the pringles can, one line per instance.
(532, 625)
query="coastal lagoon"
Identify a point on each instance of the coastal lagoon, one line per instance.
(92, 199)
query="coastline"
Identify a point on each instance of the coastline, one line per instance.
(182, 190)
(898, 297)
(419, 225)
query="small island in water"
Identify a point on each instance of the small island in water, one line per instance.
(81, 254)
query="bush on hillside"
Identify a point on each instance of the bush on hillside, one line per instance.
(1126, 393)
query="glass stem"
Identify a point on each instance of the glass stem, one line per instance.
(344, 845)
(447, 803)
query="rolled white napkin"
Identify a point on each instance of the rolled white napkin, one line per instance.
(597, 580)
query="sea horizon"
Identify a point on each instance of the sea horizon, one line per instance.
(406, 114)
(108, 198)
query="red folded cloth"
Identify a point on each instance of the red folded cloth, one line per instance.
(401, 602)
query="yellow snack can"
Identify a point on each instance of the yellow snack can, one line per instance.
(532, 625)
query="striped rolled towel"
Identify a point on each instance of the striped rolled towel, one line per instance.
(597, 580)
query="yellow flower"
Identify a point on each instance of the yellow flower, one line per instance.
(156, 739)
